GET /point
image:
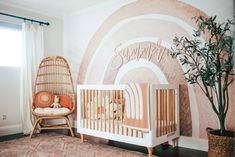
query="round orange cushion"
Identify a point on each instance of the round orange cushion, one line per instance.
(43, 99)
(65, 101)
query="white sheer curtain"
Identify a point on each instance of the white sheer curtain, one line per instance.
(32, 54)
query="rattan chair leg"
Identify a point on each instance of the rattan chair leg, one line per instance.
(34, 127)
(40, 125)
(70, 128)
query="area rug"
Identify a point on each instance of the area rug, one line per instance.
(57, 145)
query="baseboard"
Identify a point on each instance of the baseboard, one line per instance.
(193, 143)
(10, 129)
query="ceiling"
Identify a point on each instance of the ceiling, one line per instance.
(54, 8)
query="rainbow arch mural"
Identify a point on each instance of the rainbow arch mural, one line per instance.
(135, 39)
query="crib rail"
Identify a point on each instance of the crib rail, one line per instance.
(166, 109)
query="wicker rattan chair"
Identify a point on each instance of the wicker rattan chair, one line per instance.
(53, 79)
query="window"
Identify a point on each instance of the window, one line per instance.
(10, 44)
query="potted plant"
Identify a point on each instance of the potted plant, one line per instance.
(210, 65)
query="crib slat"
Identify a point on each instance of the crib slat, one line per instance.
(156, 96)
(159, 112)
(165, 107)
(90, 103)
(113, 92)
(167, 110)
(105, 101)
(170, 111)
(160, 130)
(121, 103)
(162, 113)
(174, 111)
(165, 103)
(108, 111)
(86, 111)
(117, 113)
(101, 105)
(81, 101)
(96, 108)
(92, 108)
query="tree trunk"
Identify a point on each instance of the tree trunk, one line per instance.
(222, 124)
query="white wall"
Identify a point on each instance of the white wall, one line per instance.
(223, 9)
(9, 96)
(80, 27)
(10, 76)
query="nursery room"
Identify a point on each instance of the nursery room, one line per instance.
(102, 78)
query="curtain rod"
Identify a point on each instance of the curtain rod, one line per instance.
(26, 19)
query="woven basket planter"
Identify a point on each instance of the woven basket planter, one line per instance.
(220, 146)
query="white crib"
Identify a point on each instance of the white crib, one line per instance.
(141, 114)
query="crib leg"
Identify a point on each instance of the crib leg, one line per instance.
(150, 151)
(82, 138)
(175, 142)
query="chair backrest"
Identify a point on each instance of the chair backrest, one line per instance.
(54, 76)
